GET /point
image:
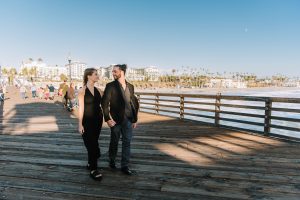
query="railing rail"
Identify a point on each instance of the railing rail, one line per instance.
(274, 116)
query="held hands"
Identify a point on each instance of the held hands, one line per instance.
(81, 129)
(134, 125)
(111, 123)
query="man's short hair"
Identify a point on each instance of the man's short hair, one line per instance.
(122, 67)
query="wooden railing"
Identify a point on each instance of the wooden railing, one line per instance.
(266, 115)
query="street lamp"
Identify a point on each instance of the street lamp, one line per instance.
(70, 76)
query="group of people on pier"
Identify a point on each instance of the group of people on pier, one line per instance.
(49, 92)
(119, 108)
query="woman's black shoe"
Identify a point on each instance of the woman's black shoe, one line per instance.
(126, 171)
(96, 175)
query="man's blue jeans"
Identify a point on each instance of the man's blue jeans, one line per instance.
(124, 129)
(33, 94)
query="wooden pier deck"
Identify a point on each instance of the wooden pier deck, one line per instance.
(42, 157)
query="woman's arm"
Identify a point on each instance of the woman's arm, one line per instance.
(80, 110)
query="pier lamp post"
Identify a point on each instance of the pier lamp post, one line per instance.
(70, 72)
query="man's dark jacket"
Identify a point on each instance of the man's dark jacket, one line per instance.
(113, 103)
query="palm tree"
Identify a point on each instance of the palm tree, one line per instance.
(11, 74)
(24, 71)
(33, 72)
(4, 71)
(173, 71)
(12, 71)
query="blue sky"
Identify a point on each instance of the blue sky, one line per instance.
(255, 36)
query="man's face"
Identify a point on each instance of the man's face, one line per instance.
(116, 72)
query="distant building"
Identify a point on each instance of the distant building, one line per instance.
(132, 74)
(39, 69)
(291, 83)
(226, 83)
(151, 73)
(38, 65)
(101, 71)
(77, 70)
(53, 72)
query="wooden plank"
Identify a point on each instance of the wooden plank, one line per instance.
(242, 106)
(288, 119)
(286, 110)
(242, 121)
(198, 109)
(199, 115)
(242, 114)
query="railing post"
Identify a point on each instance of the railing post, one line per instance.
(217, 109)
(268, 113)
(181, 107)
(157, 104)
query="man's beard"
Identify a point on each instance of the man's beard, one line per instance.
(116, 77)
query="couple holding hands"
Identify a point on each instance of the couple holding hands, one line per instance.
(119, 107)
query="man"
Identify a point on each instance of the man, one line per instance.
(120, 109)
(33, 91)
(51, 90)
(1, 93)
(63, 90)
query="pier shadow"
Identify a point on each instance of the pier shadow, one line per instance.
(35, 118)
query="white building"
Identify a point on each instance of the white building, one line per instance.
(226, 83)
(132, 74)
(77, 70)
(101, 71)
(151, 73)
(53, 72)
(34, 64)
(42, 70)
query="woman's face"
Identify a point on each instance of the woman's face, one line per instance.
(94, 77)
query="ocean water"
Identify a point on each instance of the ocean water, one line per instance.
(264, 92)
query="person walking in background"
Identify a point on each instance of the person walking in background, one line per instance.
(1, 93)
(71, 96)
(63, 90)
(33, 91)
(90, 119)
(46, 93)
(51, 92)
(120, 109)
(23, 91)
(4, 88)
(40, 92)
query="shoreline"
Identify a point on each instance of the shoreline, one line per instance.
(219, 90)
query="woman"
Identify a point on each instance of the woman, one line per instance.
(90, 119)
(46, 93)
(71, 96)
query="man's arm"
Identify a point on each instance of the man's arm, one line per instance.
(106, 106)
(105, 102)
(135, 107)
